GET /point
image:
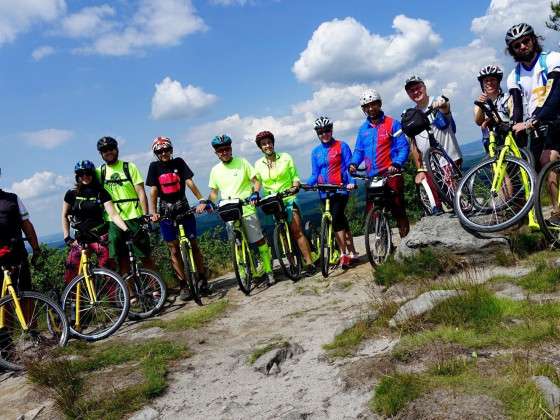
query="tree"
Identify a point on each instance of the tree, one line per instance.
(554, 18)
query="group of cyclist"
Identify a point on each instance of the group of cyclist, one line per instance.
(109, 203)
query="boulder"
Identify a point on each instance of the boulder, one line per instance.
(445, 233)
(550, 391)
(420, 305)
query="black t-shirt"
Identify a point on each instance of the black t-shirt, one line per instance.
(169, 178)
(87, 205)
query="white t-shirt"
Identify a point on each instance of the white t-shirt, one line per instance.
(532, 82)
(504, 106)
(446, 138)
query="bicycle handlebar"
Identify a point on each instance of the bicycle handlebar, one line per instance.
(324, 187)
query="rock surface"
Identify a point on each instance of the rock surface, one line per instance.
(420, 305)
(444, 233)
(275, 358)
(550, 391)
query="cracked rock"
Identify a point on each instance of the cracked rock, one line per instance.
(270, 362)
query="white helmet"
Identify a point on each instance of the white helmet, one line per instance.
(369, 96)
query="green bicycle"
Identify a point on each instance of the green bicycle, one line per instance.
(499, 191)
(285, 248)
(245, 263)
(329, 253)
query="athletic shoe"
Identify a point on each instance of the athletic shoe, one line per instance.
(554, 219)
(270, 279)
(345, 261)
(310, 270)
(184, 295)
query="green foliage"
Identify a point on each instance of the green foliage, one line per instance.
(216, 251)
(543, 279)
(355, 213)
(414, 209)
(554, 17)
(524, 242)
(346, 342)
(48, 274)
(192, 319)
(394, 392)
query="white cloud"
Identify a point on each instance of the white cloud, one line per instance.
(48, 138)
(41, 52)
(18, 16)
(41, 184)
(88, 22)
(156, 23)
(345, 51)
(172, 101)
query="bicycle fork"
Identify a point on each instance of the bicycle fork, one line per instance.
(8, 288)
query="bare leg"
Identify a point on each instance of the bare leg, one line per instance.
(303, 243)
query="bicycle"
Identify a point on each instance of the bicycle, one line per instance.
(499, 190)
(32, 325)
(285, 248)
(176, 214)
(329, 253)
(147, 290)
(244, 261)
(97, 300)
(377, 232)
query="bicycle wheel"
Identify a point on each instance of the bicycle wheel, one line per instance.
(191, 275)
(426, 198)
(377, 235)
(286, 251)
(241, 255)
(547, 194)
(47, 330)
(444, 173)
(103, 317)
(502, 206)
(325, 250)
(147, 294)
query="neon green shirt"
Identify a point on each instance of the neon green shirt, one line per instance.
(119, 188)
(233, 180)
(279, 177)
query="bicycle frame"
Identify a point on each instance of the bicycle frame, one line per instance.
(84, 269)
(238, 226)
(7, 287)
(184, 241)
(327, 216)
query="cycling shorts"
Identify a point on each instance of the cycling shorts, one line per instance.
(169, 232)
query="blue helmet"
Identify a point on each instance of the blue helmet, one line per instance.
(219, 141)
(84, 165)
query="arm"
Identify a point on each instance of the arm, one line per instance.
(153, 200)
(401, 146)
(549, 110)
(117, 220)
(358, 155)
(31, 235)
(312, 180)
(142, 197)
(346, 159)
(213, 196)
(192, 186)
(478, 115)
(64, 220)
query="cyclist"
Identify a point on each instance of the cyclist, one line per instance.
(329, 165)
(169, 176)
(384, 148)
(277, 173)
(123, 182)
(489, 78)
(533, 85)
(85, 205)
(234, 177)
(443, 127)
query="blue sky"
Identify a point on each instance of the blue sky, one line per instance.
(134, 69)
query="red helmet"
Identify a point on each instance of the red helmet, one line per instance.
(264, 135)
(161, 143)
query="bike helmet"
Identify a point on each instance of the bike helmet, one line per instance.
(84, 165)
(323, 123)
(106, 142)
(412, 80)
(161, 143)
(222, 140)
(264, 135)
(369, 96)
(518, 31)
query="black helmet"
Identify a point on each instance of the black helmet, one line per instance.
(107, 141)
(518, 31)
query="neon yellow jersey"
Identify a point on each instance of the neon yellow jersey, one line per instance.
(122, 191)
(278, 177)
(233, 180)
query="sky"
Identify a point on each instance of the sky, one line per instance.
(74, 71)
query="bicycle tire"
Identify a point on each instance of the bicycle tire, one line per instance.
(493, 207)
(445, 180)
(191, 276)
(377, 229)
(325, 247)
(149, 302)
(120, 305)
(46, 339)
(242, 269)
(425, 197)
(542, 206)
(290, 262)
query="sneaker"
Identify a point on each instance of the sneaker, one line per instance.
(184, 295)
(345, 261)
(554, 219)
(354, 258)
(310, 270)
(270, 279)
(437, 211)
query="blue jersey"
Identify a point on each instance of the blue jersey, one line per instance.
(329, 164)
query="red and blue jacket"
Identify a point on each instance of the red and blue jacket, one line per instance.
(329, 165)
(379, 147)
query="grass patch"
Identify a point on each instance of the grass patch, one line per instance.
(65, 378)
(524, 242)
(395, 391)
(504, 259)
(259, 351)
(541, 280)
(191, 319)
(426, 264)
(345, 343)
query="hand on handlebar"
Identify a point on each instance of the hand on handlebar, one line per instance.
(254, 198)
(420, 176)
(439, 102)
(155, 217)
(352, 169)
(392, 170)
(350, 186)
(293, 190)
(519, 127)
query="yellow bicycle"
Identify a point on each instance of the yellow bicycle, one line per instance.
(31, 324)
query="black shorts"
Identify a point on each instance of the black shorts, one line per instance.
(21, 274)
(338, 204)
(548, 139)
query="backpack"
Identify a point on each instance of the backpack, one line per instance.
(414, 121)
(126, 171)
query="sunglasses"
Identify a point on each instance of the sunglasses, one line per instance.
(322, 131)
(84, 173)
(165, 150)
(106, 149)
(523, 41)
(223, 150)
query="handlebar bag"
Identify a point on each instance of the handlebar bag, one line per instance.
(414, 121)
